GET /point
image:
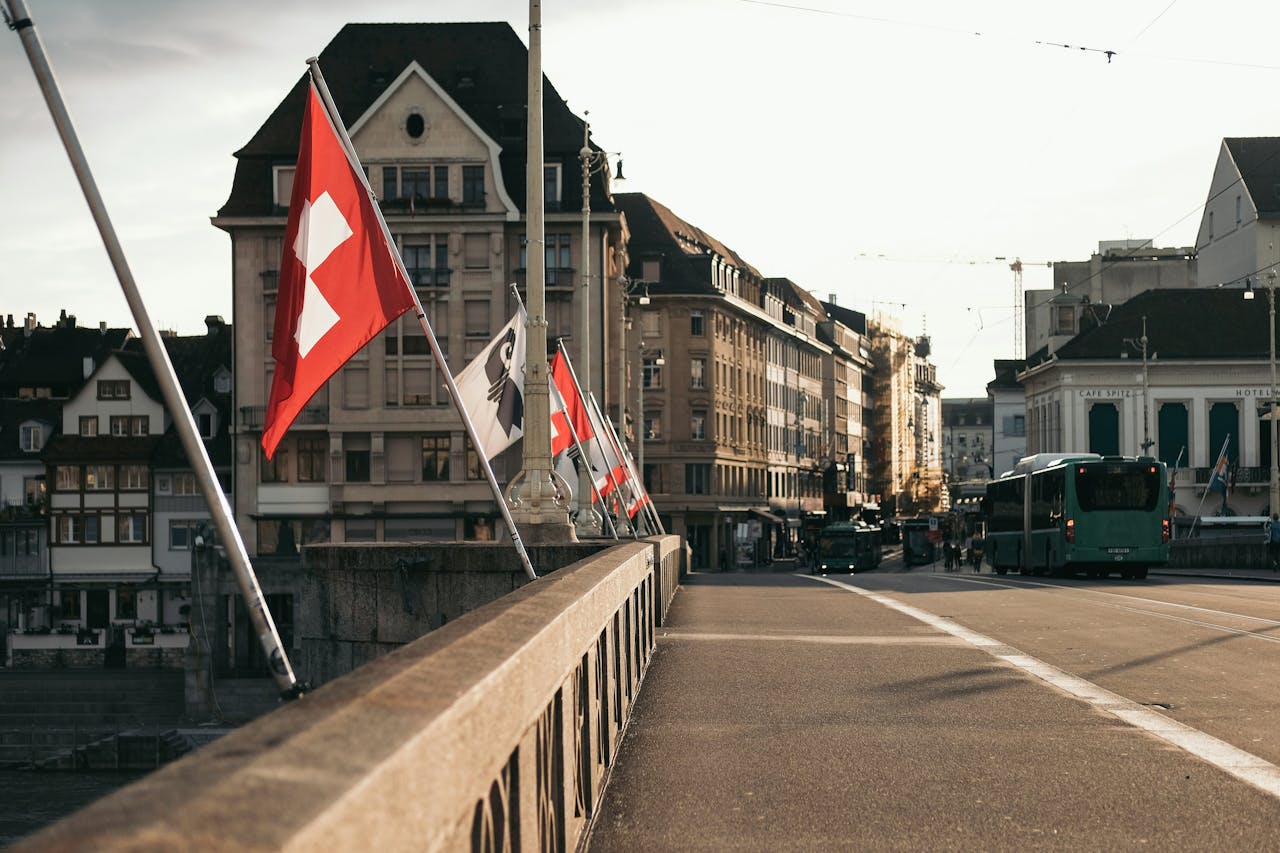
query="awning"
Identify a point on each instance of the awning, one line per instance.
(767, 516)
(81, 578)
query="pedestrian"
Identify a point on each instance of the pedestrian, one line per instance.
(1273, 542)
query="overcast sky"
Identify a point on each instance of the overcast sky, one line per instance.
(884, 152)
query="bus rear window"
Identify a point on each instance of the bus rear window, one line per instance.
(1117, 486)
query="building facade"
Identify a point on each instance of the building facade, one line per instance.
(1239, 236)
(967, 439)
(380, 453)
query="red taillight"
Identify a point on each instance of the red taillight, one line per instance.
(1071, 530)
(1164, 530)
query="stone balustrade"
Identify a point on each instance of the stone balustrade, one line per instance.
(494, 732)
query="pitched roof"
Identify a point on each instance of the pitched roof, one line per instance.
(1258, 159)
(1007, 370)
(53, 357)
(483, 67)
(1204, 323)
(14, 413)
(855, 320)
(685, 248)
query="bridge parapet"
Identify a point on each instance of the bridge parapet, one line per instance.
(493, 732)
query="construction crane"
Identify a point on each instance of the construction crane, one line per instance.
(1019, 302)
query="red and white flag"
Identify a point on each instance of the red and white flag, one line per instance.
(339, 281)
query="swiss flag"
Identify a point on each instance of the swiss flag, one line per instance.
(573, 410)
(339, 281)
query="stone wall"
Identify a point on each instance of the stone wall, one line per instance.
(361, 601)
(1219, 552)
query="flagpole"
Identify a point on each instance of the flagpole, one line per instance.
(585, 461)
(158, 358)
(614, 448)
(589, 400)
(1205, 493)
(340, 129)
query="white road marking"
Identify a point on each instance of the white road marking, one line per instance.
(1233, 761)
(819, 639)
(1212, 625)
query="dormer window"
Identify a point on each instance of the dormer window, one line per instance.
(31, 437)
(222, 381)
(207, 425)
(282, 185)
(551, 188)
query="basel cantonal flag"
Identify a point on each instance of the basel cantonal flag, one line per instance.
(492, 389)
(339, 282)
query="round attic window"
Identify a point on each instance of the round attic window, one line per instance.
(416, 126)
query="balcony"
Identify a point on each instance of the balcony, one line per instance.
(557, 277)
(253, 417)
(1242, 476)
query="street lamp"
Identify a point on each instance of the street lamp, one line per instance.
(593, 162)
(1274, 495)
(1141, 345)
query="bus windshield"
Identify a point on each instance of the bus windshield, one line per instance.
(1118, 485)
(837, 546)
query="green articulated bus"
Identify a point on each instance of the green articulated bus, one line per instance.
(917, 547)
(1060, 514)
(848, 546)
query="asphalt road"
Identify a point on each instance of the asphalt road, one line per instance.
(926, 710)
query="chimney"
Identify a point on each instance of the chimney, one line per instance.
(62, 318)
(30, 325)
(102, 327)
(831, 297)
(214, 323)
(10, 321)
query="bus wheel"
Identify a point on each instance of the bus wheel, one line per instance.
(1001, 570)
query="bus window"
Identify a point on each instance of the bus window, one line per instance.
(1125, 486)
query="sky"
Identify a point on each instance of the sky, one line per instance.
(896, 155)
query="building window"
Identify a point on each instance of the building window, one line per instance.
(435, 457)
(698, 424)
(551, 184)
(361, 530)
(697, 478)
(651, 270)
(204, 422)
(427, 263)
(66, 478)
(91, 535)
(31, 437)
(99, 477)
(311, 459)
(181, 534)
(123, 426)
(357, 466)
(475, 471)
(652, 427)
(134, 477)
(559, 267)
(476, 318)
(473, 184)
(390, 183)
(88, 426)
(113, 389)
(131, 529)
(475, 251)
(1065, 320)
(185, 483)
(275, 469)
(126, 603)
(33, 490)
(68, 529)
(697, 373)
(696, 327)
(652, 377)
(70, 604)
(283, 185)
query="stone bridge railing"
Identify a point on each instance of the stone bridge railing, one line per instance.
(493, 733)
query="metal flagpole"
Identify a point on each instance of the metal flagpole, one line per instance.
(336, 120)
(583, 459)
(158, 358)
(1206, 488)
(617, 452)
(588, 400)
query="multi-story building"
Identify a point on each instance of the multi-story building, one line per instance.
(967, 439)
(847, 387)
(1197, 393)
(437, 115)
(738, 436)
(1085, 292)
(120, 506)
(1239, 235)
(1008, 415)
(40, 367)
(907, 461)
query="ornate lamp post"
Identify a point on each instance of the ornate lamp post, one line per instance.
(593, 162)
